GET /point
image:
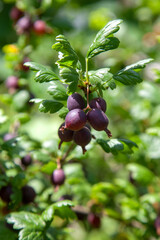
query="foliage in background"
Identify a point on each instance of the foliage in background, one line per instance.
(115, 179)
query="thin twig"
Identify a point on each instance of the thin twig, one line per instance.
(68, 151)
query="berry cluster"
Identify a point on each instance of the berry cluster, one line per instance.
(78, 120)
(24, 24)
(28, 194)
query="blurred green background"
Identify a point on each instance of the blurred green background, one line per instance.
(133, 111)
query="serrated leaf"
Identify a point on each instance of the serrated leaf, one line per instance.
(26, 219)
(44, 74)
(58, 91)
(30, 234)
(50, 106)
(111, 84)
(67, 56)
(112, 145)
(128, 77)
(138, 65)
(104, 40)
(70, 77)
(129, 143)
(100, 78)
(140, 173)
(35, 66)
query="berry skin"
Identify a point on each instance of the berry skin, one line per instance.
(75, 119)
(15, 13)
(98, 120)
(99, 103)
(9, 136)
(28, 194)
(65, 135)
(94, 220)
(5, 193)
(27, 160)
(23, 25)
(12, 82)
(75, 101)
(82, 137)
(58, 177)
(39, 27)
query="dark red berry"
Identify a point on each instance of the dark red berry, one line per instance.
(65, 135)
(94, 220)
(15, 13)
(12, 82)
(9, 136)
(75, 101)
(75, 119)
(5, 193)
(99, 103)
(26, 160)
(39, 27)
(98, 120)
(24, 25)
(58, 177)
(82, 137)
(28, 194)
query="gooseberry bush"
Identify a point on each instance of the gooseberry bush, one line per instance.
(76, 95)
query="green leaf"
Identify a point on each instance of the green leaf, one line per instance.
(31, 234)
(26, 219)
(61, 209)
(50, 106)
(112, 84)
(67, 56)
(140, 173)
(49, 167)
(58, 91)
(63, 112)
(112, 145)
(130, 144)
(138, 65)
(101, 79)
(104, 40)
(128, 76)
(70, 77)
(44, 74)
(100, 76)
